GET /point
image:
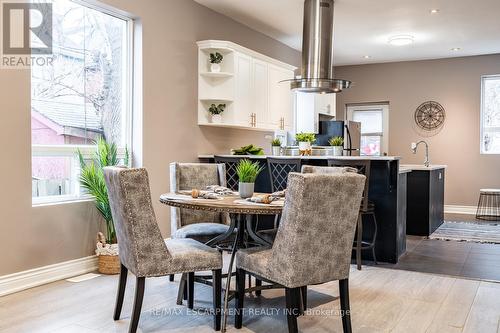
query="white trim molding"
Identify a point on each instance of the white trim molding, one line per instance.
(42, 275)
(455, 209)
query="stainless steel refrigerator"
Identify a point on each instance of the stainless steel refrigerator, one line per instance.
(350, 131)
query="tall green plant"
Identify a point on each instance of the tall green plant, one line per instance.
(248, 171)
(92, 179)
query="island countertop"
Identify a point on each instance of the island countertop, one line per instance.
(375, 158)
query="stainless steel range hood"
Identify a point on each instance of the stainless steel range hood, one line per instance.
(317, 50)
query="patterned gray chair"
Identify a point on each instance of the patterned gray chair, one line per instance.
(143, 251)
(313, 244)
(199, 225)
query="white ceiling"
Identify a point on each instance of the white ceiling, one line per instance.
(362, 27)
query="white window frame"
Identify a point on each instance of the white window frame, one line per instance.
(384, 135)
(89, 150)
(481, 125)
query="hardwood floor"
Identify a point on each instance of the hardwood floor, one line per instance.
(382, 300)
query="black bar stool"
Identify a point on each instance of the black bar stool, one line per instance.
(231, 176)
(488, 207)
(367, 208)
(279, 168)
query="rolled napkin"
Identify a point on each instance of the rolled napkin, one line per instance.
(219, 189)
(279, 194)
(195, 193)
(262, 198)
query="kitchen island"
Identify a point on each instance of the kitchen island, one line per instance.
(387, 191)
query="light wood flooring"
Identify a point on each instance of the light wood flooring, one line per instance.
(382, 300)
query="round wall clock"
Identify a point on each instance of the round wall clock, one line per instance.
(430, 116)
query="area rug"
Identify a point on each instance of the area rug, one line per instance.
(477, 232)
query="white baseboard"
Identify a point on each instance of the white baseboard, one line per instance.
(454, 209)
(35, 277)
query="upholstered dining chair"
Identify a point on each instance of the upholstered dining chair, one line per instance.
(143, 251)
(313, 244)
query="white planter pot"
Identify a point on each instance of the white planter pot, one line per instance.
(246, 190)
(215, 68)
(304, 145)
(337, 150)
(276, 150)
(216, 118)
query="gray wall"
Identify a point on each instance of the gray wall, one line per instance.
(33, 237)
(456, 84)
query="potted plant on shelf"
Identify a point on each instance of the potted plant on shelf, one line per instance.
(305, 140)
(215, 60)
(337, 143)
(92, 179)
(276, 146)
(247, 172)
(216, 112)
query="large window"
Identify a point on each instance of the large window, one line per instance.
(490, 114)
(84, 95)
(374, 121)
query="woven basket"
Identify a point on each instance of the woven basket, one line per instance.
(109, 264)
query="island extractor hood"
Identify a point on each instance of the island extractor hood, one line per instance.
(317, 51)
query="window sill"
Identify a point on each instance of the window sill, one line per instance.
(59, 200)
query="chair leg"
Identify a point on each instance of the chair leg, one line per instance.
(303, 293)
(136, 312)
(122, 282)
(375, 230)
(217, 290)
(182, 293)
(258, 283)
(344, 305)
(171, 277)
(190, 289)
(359, 240)
(240, 296)
(292, 310)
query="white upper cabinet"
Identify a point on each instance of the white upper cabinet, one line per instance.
(310, 108)
(248, 84)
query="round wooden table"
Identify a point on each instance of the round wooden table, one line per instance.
(238, 210)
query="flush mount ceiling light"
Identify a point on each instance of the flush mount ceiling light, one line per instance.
(455, 49)
(366, 57)
(434, 11)
(401, 40)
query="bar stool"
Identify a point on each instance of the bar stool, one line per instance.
(488, 207)
(231, 176)
(367, 208)
(279, 168)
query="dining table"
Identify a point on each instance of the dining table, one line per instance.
(241, 216)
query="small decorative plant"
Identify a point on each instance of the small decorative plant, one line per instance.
(305, 140)
(216, 109)
(305, 137)
(247, 172)
(276, 142)
(92, 179)
(215, 60)
(276, 146)
(216, 112)
(249, 150)
(336, 141)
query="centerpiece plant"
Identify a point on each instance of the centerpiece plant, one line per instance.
(92, 179)
(247, 172)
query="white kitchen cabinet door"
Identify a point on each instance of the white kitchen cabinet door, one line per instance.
(325, 104)
(261, 93)
(280, 98)
(243, 106)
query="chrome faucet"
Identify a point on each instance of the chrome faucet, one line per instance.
(414, 150)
